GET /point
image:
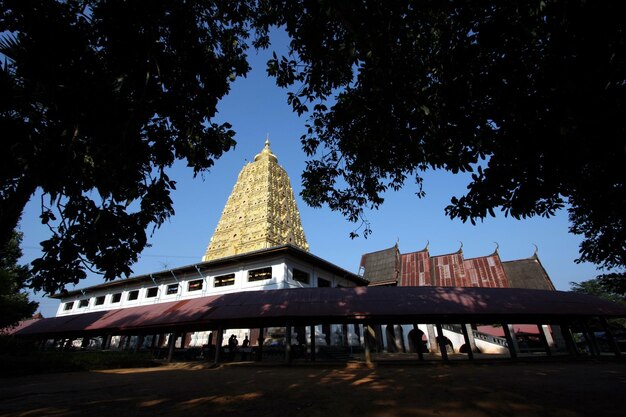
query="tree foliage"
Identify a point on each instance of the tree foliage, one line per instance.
(611, 287)
(97, 100)
(529, 97)
(14, 304)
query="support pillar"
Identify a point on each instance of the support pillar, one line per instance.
(419, 346)
(470, 345)
(288, 343)
(84, 344)
(344, 335)
(594, 342)
(261, 340)
(543, 336)
(171, 344)
(511, 343)
(139, 344)
(107, 342)
(441, 341)
(609, 337)
(432, 338)
(218, 345)
(312, 332)
(368, 335)
(569, 340)
(127, 342)
(559, 339)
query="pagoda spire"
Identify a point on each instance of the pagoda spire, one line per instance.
(261, 211)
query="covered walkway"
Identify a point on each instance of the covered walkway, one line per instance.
(366, 306)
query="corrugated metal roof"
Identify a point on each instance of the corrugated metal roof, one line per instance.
(416, 269)
(335, 305)
(485, 271)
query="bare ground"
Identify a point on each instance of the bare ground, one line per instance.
(566, 389)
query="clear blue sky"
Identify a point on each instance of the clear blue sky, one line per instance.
(256, 107)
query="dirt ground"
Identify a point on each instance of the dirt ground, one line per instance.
(412, 389)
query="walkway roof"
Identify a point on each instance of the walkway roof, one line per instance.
(302, 306)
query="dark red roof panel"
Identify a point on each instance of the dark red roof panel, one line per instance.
(485, 271)
(402, 304)
(416, 269)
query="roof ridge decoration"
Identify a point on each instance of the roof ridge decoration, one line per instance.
(261, 211)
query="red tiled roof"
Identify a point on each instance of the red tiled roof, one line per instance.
(335, 305)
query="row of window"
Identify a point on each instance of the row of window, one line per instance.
(197, 285)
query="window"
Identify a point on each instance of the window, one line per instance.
(115, 298)
(172, 289)
(195, 285)
(152, 292)
(300, 276)
(99, 300)
(83, 303)
(323, 282)
(260, 274)
(224, 280)
(133, 295)
(68, 306)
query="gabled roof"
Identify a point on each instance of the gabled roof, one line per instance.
(527, 273)
(382, 266)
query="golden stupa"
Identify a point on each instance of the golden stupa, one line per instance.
(260, 213)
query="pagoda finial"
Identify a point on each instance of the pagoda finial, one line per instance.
(266, 152)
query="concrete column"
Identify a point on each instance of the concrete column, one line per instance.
(441, 341)
(418, 345)
(259, 355)
(594, 342)
(398, 335)
(218, 344)
(559, 339)
(569, 340)
(511, 341)
(470, 333)
(312, 344)
(543, 336)
(344, 335)
(172, 342)
(127, 342)
(469, 341)
(139, 343)
(368, 335)
(84, 343)
(609, 337)
(288, 343)
(432, 339)
(106, 343)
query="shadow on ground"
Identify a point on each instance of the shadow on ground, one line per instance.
(503, 389)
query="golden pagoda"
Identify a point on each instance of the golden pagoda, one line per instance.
(260, 213)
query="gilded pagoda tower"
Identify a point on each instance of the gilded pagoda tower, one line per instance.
(261, 211)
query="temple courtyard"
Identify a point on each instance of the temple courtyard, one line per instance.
(497, 388)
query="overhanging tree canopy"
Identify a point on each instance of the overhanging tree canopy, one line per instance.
(98, 99)
(529, 96)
